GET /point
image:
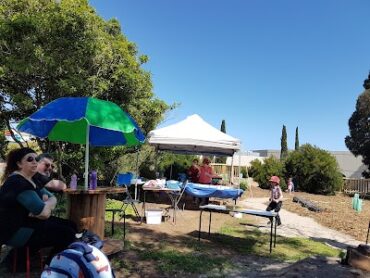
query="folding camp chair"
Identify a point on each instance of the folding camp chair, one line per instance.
(124, 179)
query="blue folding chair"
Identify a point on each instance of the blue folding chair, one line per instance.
(124, 179)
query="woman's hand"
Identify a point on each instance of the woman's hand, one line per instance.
(50, 203)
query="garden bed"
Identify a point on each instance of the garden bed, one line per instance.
(338, 213)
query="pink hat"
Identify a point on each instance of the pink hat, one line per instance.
(275, 179)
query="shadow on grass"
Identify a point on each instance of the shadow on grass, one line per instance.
(233, 251)
(331, 242)
(182, 255)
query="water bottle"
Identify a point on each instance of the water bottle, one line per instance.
(73, 183)
(93, 180)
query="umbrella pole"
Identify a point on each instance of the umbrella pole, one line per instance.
(87, 158)
(137, 173)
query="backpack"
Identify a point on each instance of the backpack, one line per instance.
(80, 260)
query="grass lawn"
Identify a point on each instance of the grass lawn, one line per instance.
(184, 255)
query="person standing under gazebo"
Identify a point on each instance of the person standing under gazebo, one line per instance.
(205, 177)
(194, 171)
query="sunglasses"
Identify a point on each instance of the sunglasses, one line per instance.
(48, 165)
(31, 159)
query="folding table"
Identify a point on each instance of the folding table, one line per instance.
(171, 193)
(222, 209)
(218, 191)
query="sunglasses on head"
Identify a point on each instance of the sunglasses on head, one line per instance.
(31, 159)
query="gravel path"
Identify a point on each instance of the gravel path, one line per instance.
(295, 225)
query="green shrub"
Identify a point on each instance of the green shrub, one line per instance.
(261, 172)
(173, 164)
(244, 185)
(243, 170)
(314, 170)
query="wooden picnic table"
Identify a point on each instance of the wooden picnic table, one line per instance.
(87, 207)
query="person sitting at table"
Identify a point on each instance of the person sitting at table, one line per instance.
(25, 209)
(194, 171)
(44, 171)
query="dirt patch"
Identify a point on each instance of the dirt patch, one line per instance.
(338, 213)
(182, 237)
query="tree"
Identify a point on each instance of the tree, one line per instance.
(3, 141)
(358, 142)
(223, 129)
(262, 172)
(223, 126)
(49, 50)
(284, 144)
(296, 145)
(314, 170)
(367, 83)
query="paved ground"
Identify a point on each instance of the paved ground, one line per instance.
(296, 225)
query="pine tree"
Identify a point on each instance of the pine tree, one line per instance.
(284, 144)
(296, 146)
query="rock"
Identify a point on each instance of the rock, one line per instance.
(357, 259)
(364, 249)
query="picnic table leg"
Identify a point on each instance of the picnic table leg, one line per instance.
(174, 208)
(275, 234)
(368, 230)
(113, 214)
(209, 226)
(200, 224)
(124, 225)
(271, 223)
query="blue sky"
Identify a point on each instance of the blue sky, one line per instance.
(256, 64)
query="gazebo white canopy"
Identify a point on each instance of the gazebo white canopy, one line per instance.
(193, 135)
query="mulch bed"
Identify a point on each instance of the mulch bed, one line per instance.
(337, 213)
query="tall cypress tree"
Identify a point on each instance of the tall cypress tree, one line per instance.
(284, 144)
(223, 129)
(296, 145)
(223, 126)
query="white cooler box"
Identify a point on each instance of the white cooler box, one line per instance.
(153, 216)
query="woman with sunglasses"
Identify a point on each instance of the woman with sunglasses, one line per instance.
(25, 209)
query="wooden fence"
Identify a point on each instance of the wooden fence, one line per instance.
(361, 186)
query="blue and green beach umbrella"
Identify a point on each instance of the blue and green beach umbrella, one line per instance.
(83, 120)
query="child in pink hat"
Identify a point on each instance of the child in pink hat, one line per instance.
(276, 198)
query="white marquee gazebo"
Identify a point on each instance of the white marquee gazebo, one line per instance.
(194, 136)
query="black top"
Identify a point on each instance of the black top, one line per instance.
(41, 180)
(18, 197)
